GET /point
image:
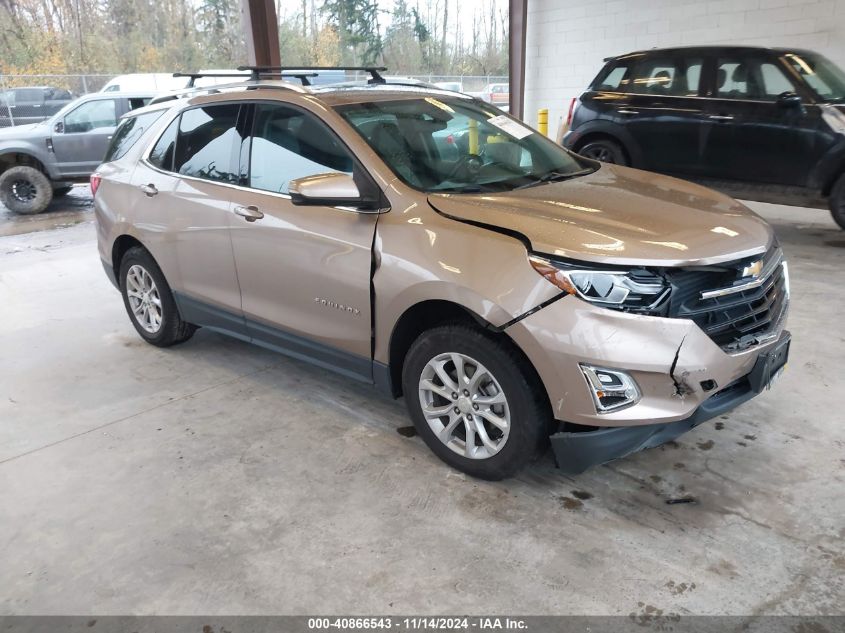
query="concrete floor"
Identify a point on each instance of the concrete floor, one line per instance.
(219, 478)
(70, 209)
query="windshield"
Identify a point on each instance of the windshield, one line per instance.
(452, 144)
(821, 74)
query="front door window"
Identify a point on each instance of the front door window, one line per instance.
(91, 115)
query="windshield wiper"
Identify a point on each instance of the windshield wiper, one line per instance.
(555, 176)
(467, 189)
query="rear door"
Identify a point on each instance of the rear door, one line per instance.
(663, 111)
(183, 193)
(84, 134)
(304, 271)
(752, 136)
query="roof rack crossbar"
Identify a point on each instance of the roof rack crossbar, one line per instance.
(302, 76)
(374, 71)
(194, 76)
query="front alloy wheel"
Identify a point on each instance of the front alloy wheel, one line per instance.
(475, 400)
(464, 405)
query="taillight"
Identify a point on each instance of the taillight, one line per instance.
(95, 183)
(571, 111)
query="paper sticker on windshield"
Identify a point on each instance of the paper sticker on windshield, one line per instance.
(510, 127)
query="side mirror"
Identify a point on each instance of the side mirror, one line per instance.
(59, 128)
(333, 189)
(789, 100)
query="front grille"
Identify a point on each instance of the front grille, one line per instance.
(741, 316)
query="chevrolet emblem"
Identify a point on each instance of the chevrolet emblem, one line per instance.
(754, 269)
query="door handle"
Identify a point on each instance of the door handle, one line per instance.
(149, 190)
(625, 111)
(249, 213)
(721, 117)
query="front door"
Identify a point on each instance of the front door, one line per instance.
(304, 271)
(751, 135)
(84, 137)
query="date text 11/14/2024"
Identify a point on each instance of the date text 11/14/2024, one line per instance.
(418, 624)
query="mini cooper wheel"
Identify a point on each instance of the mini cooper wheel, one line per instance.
(837, 202)
(25, 190)
(149, 301)
(475, 401)
(604, 150)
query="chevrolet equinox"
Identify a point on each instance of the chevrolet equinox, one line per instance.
(426, 243)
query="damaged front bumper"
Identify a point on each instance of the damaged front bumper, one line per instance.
(683, 377)
(576, 452)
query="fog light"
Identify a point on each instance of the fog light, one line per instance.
(611, 389)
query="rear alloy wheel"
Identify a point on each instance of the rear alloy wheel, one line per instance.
(837, 202)
(475, 401)
(25, 190)
(149, 301)
(604, 150)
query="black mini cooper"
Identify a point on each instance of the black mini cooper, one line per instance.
(764, 123)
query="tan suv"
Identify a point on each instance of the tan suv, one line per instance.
(426, 243)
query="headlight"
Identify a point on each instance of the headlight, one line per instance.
(637, 290)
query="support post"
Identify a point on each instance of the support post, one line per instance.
(517, 22)
(261, 30)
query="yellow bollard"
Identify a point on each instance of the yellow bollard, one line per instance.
(473, 137)
(543, 121)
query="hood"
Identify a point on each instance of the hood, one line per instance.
(618, 215)
(18, 131)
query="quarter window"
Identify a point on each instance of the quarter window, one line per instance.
(161, 155)
(128, 133)
(92, 115)
(207, 143)
(289, 144)
(616, 79)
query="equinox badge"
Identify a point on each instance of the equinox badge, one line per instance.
(337, 306)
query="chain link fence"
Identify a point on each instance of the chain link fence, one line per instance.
(32, 98)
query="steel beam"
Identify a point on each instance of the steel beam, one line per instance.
(517, 21)
(261, 30)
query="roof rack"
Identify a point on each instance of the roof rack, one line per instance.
(302, 76)
(374, 71)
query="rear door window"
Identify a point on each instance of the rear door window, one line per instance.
(207, 143)
(128, 133)
(671, 76)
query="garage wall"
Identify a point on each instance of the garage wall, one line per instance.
(568, 39)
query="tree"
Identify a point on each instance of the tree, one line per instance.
(356, 23)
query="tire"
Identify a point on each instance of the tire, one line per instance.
(25, 190)
(525, 403)
(837, 202)
(61, 191)
(604, 150)
(140, 276)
